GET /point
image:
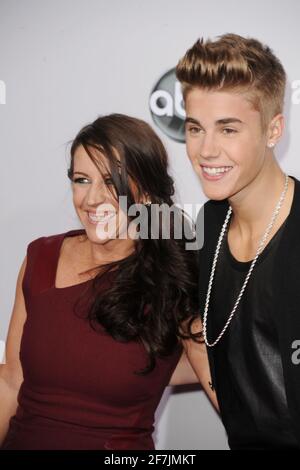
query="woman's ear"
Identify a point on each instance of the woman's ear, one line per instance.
(145, 199)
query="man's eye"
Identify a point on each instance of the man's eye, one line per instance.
(228, 130)
(193, 130)
(80, 180)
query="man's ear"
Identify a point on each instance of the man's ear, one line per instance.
(275, 130)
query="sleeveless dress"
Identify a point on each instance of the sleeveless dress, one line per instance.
(79, 390)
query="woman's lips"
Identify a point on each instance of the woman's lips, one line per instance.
(95, 220)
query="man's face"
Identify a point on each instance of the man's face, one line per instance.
(225, 141)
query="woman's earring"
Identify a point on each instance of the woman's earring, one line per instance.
(271, 145)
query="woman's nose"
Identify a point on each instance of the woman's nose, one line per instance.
(97, 194)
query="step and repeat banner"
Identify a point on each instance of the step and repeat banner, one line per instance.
(65, 62)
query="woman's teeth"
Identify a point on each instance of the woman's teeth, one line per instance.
(216, 171)
(100, 219)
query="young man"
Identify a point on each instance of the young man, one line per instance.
(249, 278)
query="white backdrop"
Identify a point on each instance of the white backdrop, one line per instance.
(64, 62)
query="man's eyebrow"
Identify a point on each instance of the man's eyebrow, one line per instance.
(228, 120)
(191, 120)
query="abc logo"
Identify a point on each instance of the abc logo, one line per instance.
(166, 106)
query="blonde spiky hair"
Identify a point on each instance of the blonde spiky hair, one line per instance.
(235, 63)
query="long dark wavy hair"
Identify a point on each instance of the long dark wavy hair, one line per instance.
(153, 297)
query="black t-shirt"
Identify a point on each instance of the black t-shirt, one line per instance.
(247, 362)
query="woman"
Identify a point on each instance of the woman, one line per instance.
(104, 306)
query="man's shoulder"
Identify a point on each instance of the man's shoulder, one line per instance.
(215, 210)
(216, 205)
(210, 220)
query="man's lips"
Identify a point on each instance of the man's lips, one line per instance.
(213, 172)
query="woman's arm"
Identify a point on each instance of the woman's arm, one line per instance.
(11, 374)
(197, 355)
(194, 366)
(184, 373)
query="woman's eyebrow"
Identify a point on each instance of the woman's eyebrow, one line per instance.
(105, 175)
(80, 173)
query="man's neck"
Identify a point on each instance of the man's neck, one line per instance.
(254, 205)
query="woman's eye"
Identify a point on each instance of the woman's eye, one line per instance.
(80, 180)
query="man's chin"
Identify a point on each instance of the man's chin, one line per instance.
(216, 195)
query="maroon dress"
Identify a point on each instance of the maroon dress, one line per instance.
(79, 389)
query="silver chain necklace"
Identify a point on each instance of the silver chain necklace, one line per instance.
(259, 250)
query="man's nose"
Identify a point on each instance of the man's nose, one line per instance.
(208, 146)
